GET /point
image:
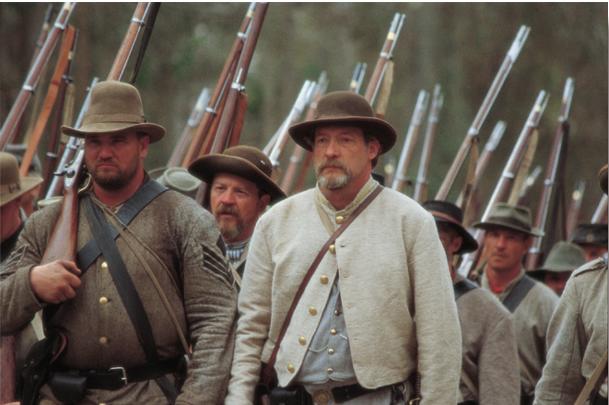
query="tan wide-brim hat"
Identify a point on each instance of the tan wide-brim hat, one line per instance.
(243, 161)
(514, 217)
(115, 107)
(563, 257)
(11, 184)
(344, 108)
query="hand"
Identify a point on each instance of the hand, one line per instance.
(56, 281)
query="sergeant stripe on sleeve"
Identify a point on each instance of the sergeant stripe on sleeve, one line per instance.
(217, 264)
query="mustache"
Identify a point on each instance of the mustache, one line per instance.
(331, 163)
(226, 209)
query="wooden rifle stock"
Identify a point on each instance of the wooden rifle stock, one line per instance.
(241, 109)
(298, 153)
(502, 189)
(385, 56)
(55, 88)
(177, 155)
(574, 209)
(553, 184)
(400, 179)
(420, 191)
(220, 91)
(18, 108)
(483, 111)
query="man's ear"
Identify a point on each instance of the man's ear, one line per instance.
(263, 202)
(455, 243)
(144, 141)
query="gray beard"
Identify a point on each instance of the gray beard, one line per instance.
(334, 182)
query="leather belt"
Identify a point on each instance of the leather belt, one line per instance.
(343, 394)
(117, 377)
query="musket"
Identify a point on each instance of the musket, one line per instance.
(503, 186)
(64, 61)
(551, 198)
(18, 108)
(386, 55)
(600, 213)
(527, 185)
(400, 179)
(44, 31)
(437, 101)
(358, 77)
(574, 208)
(74, 145)
(485, 107)
(282, 135)
(483, 162)
(298, 153)
(177, 155)
(202, 135)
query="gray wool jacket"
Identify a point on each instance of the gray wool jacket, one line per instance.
(181, 244)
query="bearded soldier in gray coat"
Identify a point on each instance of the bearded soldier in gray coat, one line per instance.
(577, 337)
(507, 240)
(352, 337)
(490, 371)
(166, 245)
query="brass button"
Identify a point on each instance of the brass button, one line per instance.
(330, 370)
(313, 311)
(330, 351)
(102, 403)
(340, 219)
(336, 312)
(104, 266)
(302, 340)
(332, 249)
(291, 368)
(324, 279)
(321, 398)
(103, 300)
(103, 340)
(332, 331)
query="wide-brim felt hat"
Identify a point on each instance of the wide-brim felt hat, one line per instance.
(243, 161)
(514, 217)
(590, 234)
(344, 108)
(563, 257)
(12, 185)
(115, 107)
(448, 213)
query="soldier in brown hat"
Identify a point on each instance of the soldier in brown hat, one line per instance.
(351, 337)
(507, 240)
(576, 371)
(131, 308)
(592, 238)
(489, 370)
(241, 189)
(564, 257)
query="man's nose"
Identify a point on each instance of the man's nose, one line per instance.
(227, 198)
(105, 151)
(332, 148)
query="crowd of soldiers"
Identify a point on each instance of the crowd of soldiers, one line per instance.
(346, 293)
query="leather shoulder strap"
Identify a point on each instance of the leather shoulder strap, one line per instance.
(462, 287)
(268, 370)
(520, 290)
(132, 207)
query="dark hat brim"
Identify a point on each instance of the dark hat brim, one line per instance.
(302, 133)
(469, 243)
(496, 224)
(206, 167)
(154, 131)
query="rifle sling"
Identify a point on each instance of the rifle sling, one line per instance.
(267, 371)
(126, 290)
(520, 290)
(145, 195)
(462, 287)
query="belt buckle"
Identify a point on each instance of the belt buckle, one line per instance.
(123, 372)
(322, 397)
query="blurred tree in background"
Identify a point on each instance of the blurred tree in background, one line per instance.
(458, 45)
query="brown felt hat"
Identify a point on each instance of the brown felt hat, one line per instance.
(12, 185)
(115, 107)
(449, 213)
(514, 217)
(564, 256)
(243, 161)
(344, 108)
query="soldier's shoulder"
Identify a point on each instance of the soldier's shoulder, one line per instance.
(599, 264)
